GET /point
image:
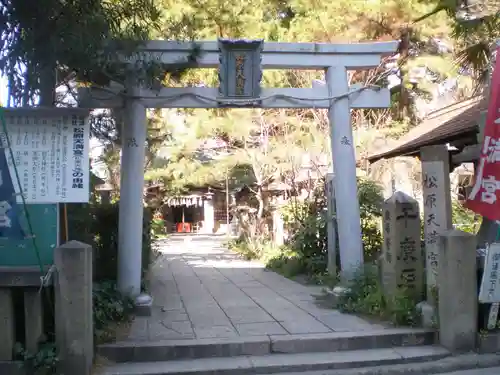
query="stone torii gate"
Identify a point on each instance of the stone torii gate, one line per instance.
(240, 63)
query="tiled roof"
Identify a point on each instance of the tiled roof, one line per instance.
(439, 127)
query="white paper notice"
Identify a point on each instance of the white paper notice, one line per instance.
(52, 157)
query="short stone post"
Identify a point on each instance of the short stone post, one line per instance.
(7, 329)
(33, 316)
(279, 227)
(208, 216)
(402, 261)
(74, 320)
(457, 285)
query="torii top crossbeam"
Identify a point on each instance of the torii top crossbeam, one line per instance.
(279, 55)
(303, 56)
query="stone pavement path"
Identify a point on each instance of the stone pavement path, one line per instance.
(203, 290)
(483, 371)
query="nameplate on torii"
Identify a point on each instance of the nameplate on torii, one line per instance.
(240, 72)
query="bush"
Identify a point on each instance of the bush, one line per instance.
(370, 207)
(465, 219)
(307, 250)
(97, 225)
(261, 248)
(307, 247)
(366, 297)
(110, 309)
(158, 229)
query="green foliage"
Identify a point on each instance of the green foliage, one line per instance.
(254, 155)
(46, 37)
(110, 309)
(306, 251)
(158, 227)
(254, 247)
(307, 220)
(97, 224)
(370, 207)
(365, 296)
(465, 219)
(255, 138)
(308, 244)
(475, 29)
(43, 362)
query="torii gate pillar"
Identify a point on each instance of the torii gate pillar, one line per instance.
(344, 162)
(131, 210)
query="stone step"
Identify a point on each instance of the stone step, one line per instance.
(280, 363)
(148, 351)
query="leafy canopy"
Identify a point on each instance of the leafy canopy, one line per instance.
(79, 37)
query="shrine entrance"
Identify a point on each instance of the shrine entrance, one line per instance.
(186, 214)
(240, 65)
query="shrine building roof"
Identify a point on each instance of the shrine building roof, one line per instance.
(445, 125)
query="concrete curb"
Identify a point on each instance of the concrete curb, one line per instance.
(264, 345)
(282, 363)
(462, 362)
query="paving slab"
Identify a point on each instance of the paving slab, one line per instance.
(258, 329)
(202, 290)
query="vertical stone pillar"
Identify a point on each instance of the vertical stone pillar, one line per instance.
(331, 224)
(131, 210)
(402, 262)
(7, 335)
(437, 207)
(73, 293)
(458, 300)
(208, 216)
(344, 161)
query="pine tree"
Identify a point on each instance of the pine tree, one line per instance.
(476, 29)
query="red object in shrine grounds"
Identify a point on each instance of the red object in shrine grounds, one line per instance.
(483, 198)
(183, 228)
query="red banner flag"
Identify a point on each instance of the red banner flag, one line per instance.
(483, 198)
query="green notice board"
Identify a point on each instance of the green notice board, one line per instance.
(44, 221)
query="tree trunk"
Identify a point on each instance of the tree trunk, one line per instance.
(260, 199)
(48, 86)
(404, 95)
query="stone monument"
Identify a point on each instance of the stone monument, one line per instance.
(402, 261)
